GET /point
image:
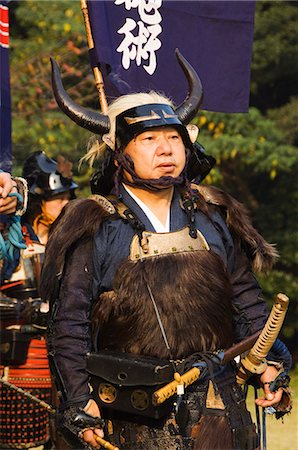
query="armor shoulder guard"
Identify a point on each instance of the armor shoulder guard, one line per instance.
(261, 254)
(77, 223)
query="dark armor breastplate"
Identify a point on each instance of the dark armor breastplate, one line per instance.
(191, 289)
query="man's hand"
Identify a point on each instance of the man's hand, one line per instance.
(271, 398)
(7, 185)
(88, 436)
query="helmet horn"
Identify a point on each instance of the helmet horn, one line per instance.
(190, 106)
(100, 124)
(91, 120)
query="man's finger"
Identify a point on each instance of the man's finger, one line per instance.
(6, 183)
(8, 201)
(268, 394)
(264, 402)
(88, 437)
(8, 205)
(7, 211)
(99, 432)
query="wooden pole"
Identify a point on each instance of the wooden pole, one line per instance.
(97, 73)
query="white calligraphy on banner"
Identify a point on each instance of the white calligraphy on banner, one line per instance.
(140, 40)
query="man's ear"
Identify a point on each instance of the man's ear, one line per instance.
(193, 132)
(108, 141)
(116, 163)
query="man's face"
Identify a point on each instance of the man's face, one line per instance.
(156, 153)
(54, 205)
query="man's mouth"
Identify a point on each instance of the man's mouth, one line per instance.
(166, 165)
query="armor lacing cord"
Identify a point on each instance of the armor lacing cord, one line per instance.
(152, 184)
(209, 358)
(262, 432)
(177, 376)
(138, 226)
(190, 208)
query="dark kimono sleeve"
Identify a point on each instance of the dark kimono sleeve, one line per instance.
(69, 328)
(250, 308)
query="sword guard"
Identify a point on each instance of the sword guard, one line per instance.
(252, 367)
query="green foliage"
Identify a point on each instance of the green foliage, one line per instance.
(252, 137)
(274, 63)
(286, 118)
(51, 29)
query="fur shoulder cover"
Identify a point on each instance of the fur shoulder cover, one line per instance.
(261, 254)
(81, 218)
(76, 225)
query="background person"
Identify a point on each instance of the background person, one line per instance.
(13, 203)
(50, 187)
(8, 184)
(24, 315)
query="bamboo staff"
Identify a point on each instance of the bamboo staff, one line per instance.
(97, 73)
(50, 409)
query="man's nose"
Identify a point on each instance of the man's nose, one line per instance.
(164, 146)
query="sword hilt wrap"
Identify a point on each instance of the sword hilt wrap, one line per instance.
(254, 362)
(162, 394)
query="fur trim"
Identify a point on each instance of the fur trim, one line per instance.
(262, 254)
(184, 286)
(78, 221)
(214, 432)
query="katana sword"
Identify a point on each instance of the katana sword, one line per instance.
(192, 375)
(260, 343)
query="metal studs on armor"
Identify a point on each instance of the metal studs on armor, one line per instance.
(107, 393)
(139, 399)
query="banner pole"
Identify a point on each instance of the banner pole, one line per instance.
(97, 73)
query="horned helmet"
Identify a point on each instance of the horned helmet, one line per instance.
(136, 120)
